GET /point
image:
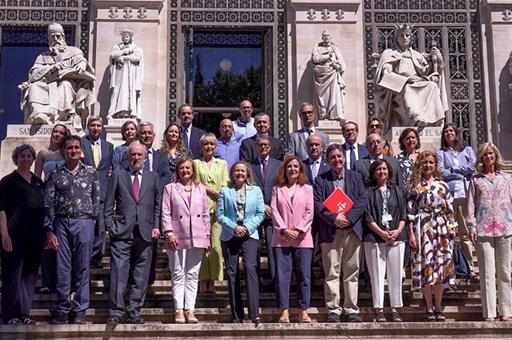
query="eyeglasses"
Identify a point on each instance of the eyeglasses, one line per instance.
(375, 126)
(264, 145)
(306, 112)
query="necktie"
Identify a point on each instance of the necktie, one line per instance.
(314, 169)
(309, 132)
(136, 185)
(96, 154)
(352, 155)
(146, 162)
(185, 137)
(264, 168)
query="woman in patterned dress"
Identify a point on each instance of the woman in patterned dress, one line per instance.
(173, 147)
(490, 225)
(431, 233)
(213, 174)
(409, 142)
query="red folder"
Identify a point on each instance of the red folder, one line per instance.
(338, 202)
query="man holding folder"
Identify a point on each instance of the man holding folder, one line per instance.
(340, 233)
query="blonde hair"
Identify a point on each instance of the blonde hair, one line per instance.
(195, 177)
(418, 169)
(249, 179)
(498, 164)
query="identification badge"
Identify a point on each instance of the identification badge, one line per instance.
(386, 218)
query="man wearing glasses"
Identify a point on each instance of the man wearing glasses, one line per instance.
(297, 140)
(353, 150)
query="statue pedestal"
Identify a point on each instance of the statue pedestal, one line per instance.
(430, 138)
(331, 128)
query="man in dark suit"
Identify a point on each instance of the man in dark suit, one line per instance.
(340, 235)
(190, 133)
(136, 196)
(248, 151)
(98, 154)
(353, 150)
(315, 164)
(374, 144)
(297, 140)
(264, 168)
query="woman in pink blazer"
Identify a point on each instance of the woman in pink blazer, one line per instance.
(292, 214)
(186, 225)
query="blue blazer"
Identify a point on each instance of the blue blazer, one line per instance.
(103, 169)
(194, 146)
(354, 189)
(226, 211)
(362, 152)
(324, 167)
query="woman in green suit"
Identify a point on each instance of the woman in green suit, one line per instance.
(213, 174)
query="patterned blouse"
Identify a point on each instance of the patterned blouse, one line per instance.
(407, 165)
(490, 205)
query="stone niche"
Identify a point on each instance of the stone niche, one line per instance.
(148, 19)
(306, 22)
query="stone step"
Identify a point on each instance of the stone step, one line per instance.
(267, 330)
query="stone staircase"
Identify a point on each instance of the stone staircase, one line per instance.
(461, 305)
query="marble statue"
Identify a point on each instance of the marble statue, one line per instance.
(126, 78)
(410, 90)
(328, 69)
(60, 84)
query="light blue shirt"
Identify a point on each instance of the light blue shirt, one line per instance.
(244, 130)
(230, 151)
(457, 168)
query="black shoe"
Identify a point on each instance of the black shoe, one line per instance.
(79, 319)
(96, 265)
(59, 319)
(136, 321)
(256, 322)
(14, 321)
(353, 317)
(333, 318)
(27, 321)
(113, 320)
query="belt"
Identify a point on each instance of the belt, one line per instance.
(76, 216)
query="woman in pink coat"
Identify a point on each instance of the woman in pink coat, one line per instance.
(292, 214)
(186, 225)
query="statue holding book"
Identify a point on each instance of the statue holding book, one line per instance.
(60, 84)
(411, 90)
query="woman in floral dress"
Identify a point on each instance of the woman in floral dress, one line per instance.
(431, 233)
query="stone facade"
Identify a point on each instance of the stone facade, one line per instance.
(472, 35)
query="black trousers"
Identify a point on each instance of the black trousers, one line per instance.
(49, 269)
(247, 248)
(98, 245)
(130, 264)
(265, 233)
(19, 274)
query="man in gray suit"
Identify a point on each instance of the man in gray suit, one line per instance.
(374, 144)
(297, 140)
(264, 169)
(135, 222)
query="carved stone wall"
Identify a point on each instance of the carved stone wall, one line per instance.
(454, 26)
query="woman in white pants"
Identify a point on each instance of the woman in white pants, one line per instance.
(384, 238)
(490, 227)
(186, 225)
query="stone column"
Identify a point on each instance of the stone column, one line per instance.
(343, 19)
(496, 18)
(148, 19)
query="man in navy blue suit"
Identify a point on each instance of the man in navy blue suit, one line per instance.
(98, 154)
(353, 150)
(340, 235)
(315, 164)
(190, 133)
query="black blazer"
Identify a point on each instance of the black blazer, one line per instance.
(362, 152)
(195, 146)
(160, 166)
(267, 184)
(363, 167)
(248, 149)
(129, 212)
(103, 169)
(324, 167)
(373, 213)
(354, 189)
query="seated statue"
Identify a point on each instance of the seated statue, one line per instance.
(60, 84)
(410, 90)
(126, 78)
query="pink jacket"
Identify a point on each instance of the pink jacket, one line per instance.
(189, 222)
(296, 215)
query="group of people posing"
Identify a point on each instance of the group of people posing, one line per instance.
(216, 200)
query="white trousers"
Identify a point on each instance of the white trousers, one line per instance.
(493, 255)
(385, 260)
(184, 265)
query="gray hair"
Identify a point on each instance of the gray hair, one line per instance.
(145, 123)
(136, 143)
(94, 119)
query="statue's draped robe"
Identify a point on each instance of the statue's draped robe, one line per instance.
(329, 83)
(421, 103)
(53, 97)
(126, 81)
